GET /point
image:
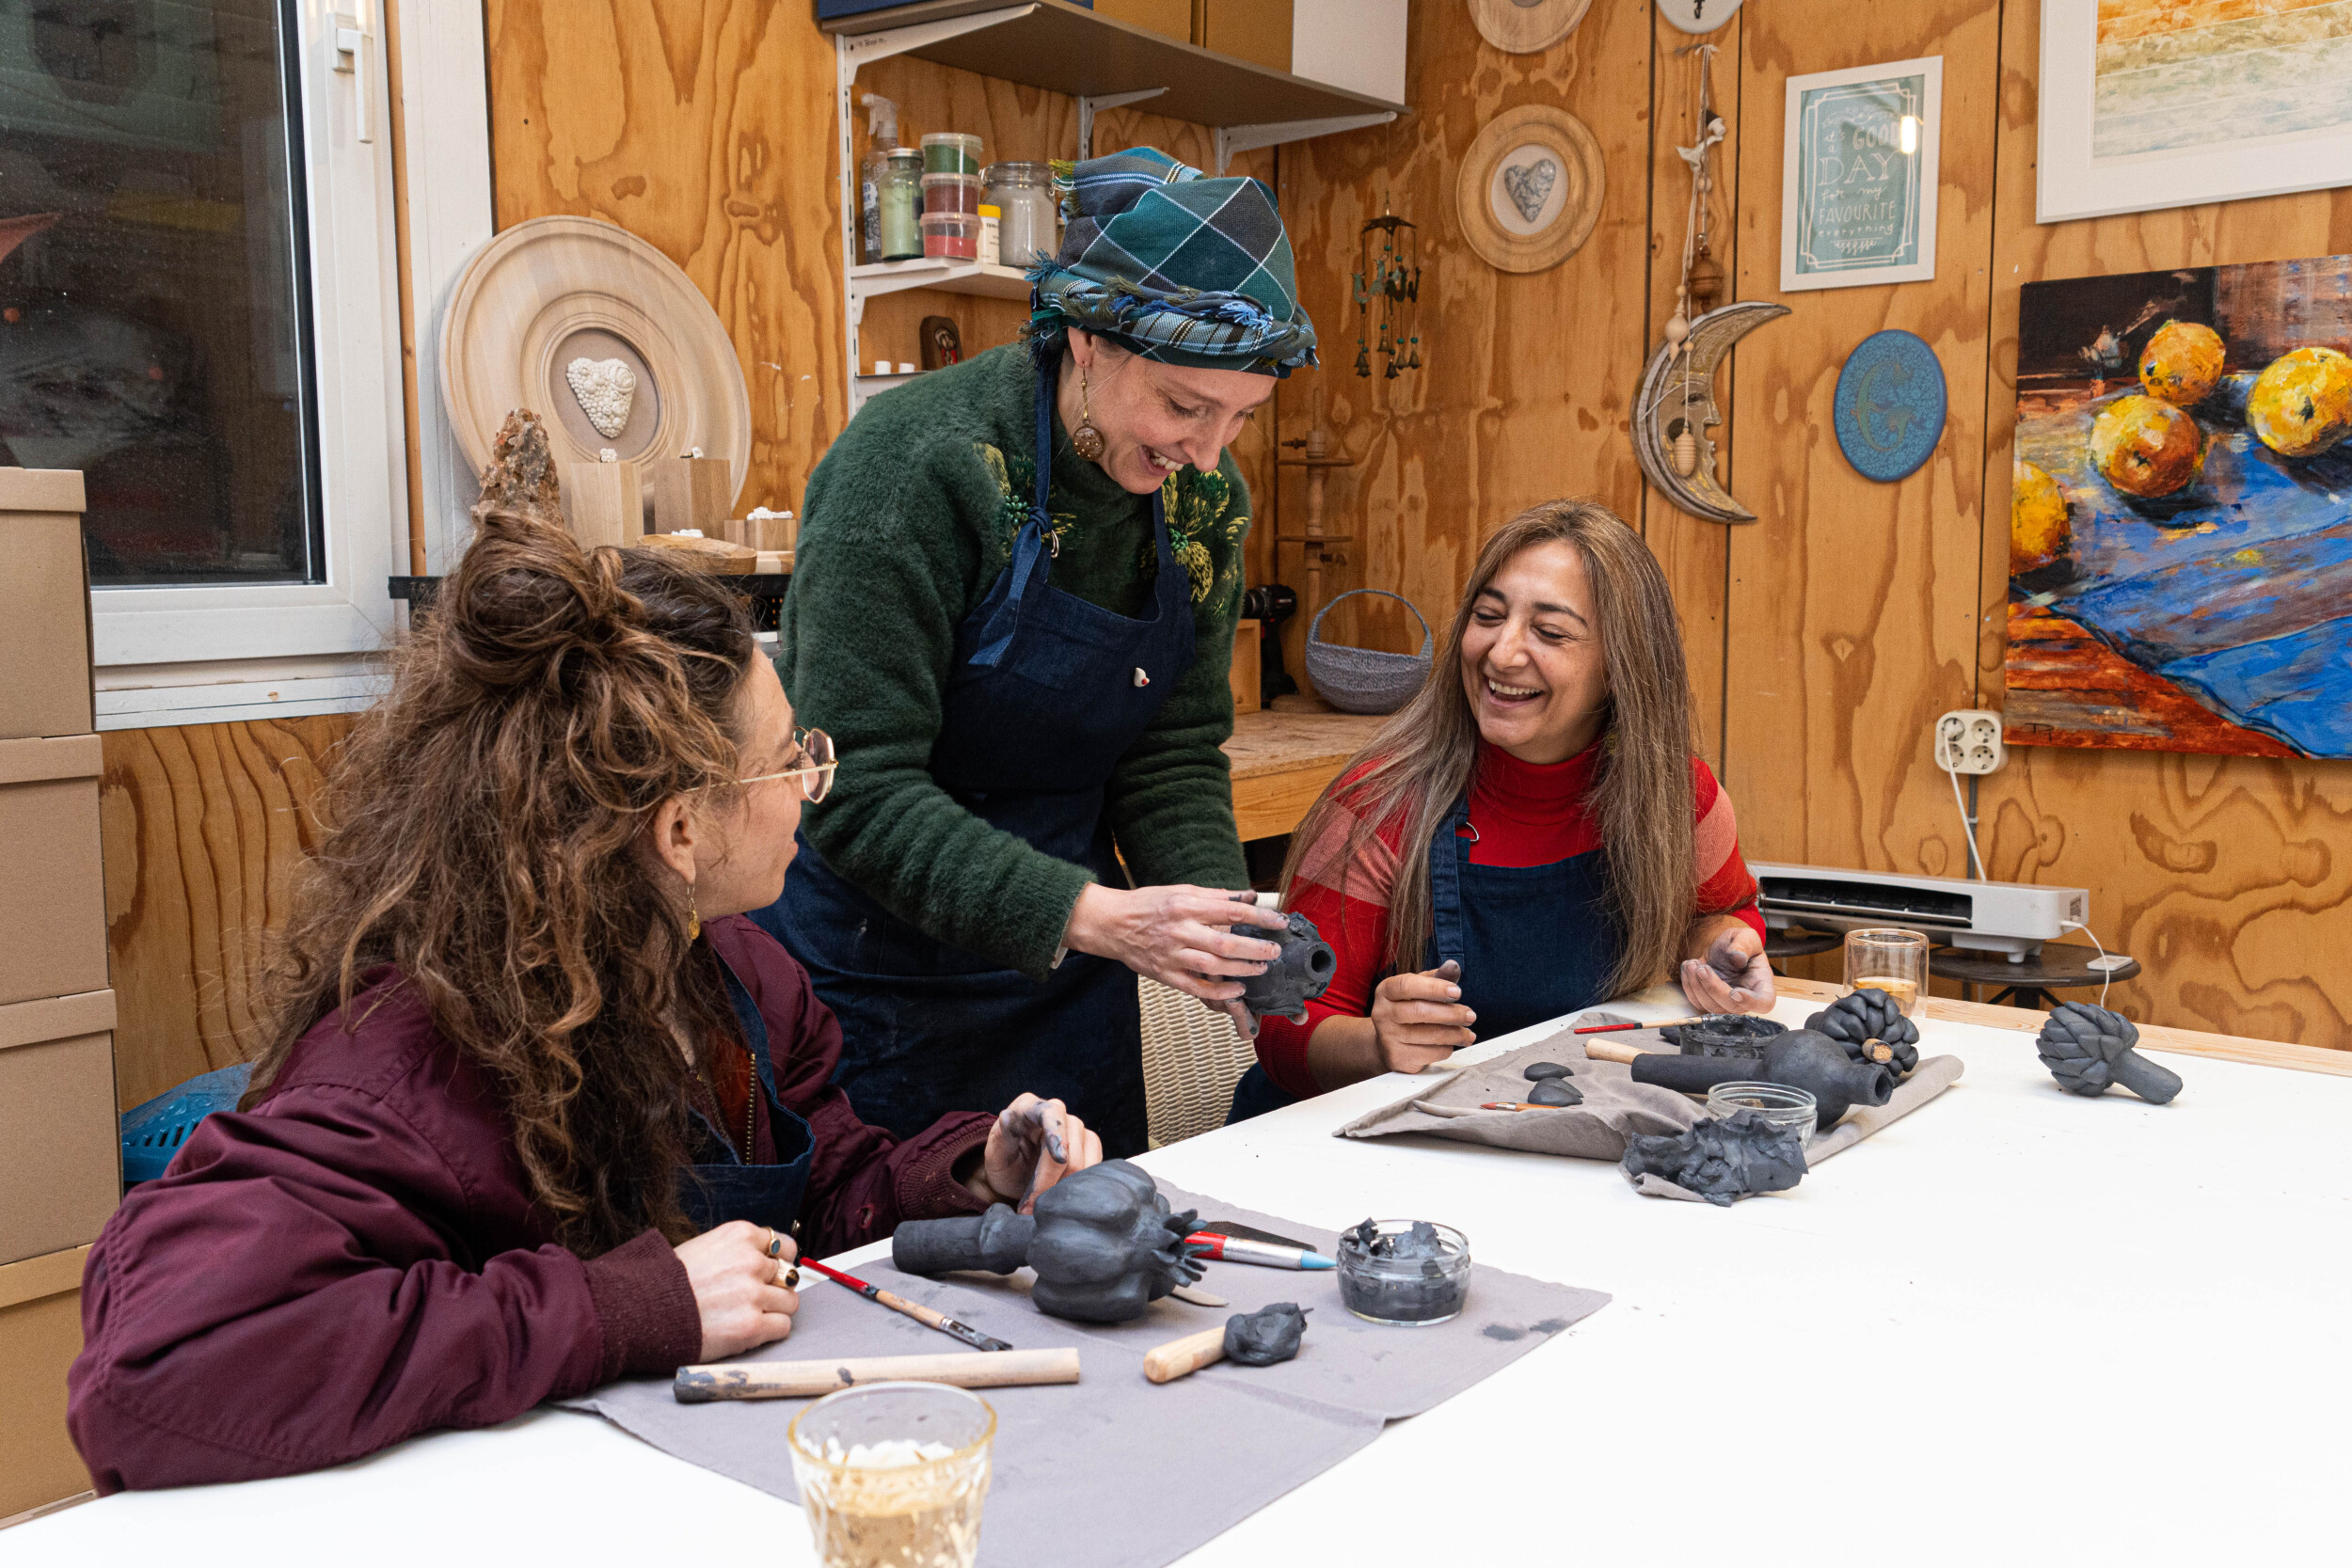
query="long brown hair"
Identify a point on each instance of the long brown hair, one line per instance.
(1422, 760)
(482, 829)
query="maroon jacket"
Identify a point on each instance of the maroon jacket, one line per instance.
(358, 1261)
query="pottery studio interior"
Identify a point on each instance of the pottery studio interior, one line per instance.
(1071, 781)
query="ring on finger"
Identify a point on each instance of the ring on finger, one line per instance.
(776, 1245)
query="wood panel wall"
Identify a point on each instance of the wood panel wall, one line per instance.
(1825, 638)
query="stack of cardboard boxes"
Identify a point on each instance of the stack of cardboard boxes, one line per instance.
(60, 1149)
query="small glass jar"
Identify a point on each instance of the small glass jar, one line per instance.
(952, 236)
(894, 1472)
(951, 152)
(1410, 1292)
(1778, 1104)
(898, 203)
(1025, 194)
(957, 194)
(1740, 1035)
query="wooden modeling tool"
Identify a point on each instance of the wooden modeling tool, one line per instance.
(1517, 1105)
(1183, 1358)
(795, 1380)
(929, 1317)
(1614, 1051)
(1661, 1024)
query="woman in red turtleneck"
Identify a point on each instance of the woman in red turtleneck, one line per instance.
(1527, 838)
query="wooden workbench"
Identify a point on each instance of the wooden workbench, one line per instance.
(1282, 757)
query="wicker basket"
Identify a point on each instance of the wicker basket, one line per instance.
(1362, 680)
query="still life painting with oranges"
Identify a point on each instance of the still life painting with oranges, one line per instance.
(2181, 516)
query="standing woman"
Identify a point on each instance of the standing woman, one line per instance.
(1534, 818)
(1014, 603)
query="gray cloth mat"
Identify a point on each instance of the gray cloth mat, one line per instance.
(1616, 1108)
(1113, 1471)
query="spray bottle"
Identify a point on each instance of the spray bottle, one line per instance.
(881, 131)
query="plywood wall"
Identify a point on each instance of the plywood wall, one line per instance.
(1825, 638)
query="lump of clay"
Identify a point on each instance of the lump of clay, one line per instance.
(1103, 1242)
(1721, 1161)
(1556, 1091)
(1262, 1338)
(1301, 974)
(1871, 1014)
(1537, 1071)
(2088, 1048)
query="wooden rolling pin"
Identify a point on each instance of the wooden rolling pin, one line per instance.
(1183, 1358)
(794, 1380)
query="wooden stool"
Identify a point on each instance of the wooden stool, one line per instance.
(2031, 982)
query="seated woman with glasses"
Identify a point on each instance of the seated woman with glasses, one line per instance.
(538, 1107)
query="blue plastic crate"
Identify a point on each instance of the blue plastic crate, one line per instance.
(152, 1132)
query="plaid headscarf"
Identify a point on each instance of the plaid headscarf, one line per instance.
(1173, 266)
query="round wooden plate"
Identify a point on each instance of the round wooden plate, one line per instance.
(1524, 27)
(554, 290)
(1530, 188)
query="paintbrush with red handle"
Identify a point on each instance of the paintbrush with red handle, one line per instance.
(928, 1317)
(1661, 1024)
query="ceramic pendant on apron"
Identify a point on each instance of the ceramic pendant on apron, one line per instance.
(735, 1189)
(1533, 942)
(1047, 693)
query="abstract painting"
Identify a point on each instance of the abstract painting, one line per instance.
(2181, 520)
(2149, 103)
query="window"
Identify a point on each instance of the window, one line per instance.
(199, 308)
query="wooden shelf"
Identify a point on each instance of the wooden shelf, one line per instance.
(1067, 48)
(954, 277)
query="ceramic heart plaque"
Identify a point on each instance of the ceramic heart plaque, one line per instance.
(606, 390)
(1530, 186)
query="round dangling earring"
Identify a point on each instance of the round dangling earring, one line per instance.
(693, 917)
(1087, 440)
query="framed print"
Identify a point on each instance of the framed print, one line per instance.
(2149, 103)
(1858, 174)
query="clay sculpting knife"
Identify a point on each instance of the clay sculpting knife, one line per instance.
(928, 1317)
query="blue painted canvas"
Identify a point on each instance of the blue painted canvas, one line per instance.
(1890, 403)
(2180, 524)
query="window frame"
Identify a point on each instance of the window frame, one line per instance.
(182, 655)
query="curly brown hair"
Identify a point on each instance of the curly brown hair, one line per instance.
(482, 837)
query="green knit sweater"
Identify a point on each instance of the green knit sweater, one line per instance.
(910, 518)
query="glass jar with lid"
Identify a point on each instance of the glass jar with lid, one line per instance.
(898, 203)
(1023, 194)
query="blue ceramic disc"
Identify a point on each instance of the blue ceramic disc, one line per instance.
(1890, 404)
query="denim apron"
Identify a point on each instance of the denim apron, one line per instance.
(1046, 694)
(1534, 941)
(733, 1189)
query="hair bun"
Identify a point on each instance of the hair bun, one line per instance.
(527, 596)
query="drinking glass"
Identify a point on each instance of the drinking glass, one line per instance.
(1891, 960)
(892, 1475)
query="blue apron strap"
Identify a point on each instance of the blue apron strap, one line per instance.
(1446, 937)
(1030, 547)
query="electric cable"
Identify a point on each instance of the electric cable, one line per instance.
(2106, 966)
(1966, 825)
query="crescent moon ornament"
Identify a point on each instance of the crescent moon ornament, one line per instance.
(1675, 407)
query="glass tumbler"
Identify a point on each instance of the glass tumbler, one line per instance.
(1779, 1104)
(892, 1475)
(1889, 959)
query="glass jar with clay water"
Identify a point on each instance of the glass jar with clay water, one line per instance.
(892, 1475)
(1889, 959)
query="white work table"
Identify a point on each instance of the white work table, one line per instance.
(2018, 1325)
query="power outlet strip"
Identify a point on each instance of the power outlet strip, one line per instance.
(1968, 740)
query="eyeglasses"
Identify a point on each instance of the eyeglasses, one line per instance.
(815, 773)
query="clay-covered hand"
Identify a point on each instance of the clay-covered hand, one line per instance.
(2088, 1048)
(1871, 1014)
(1034, 1144)
(1192, 939)
(1733, 976)
(735, 1283)
(1419, 1019)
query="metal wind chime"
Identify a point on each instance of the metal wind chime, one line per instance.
(1391, 274)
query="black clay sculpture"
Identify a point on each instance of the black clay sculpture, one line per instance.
(1739, 1034)
(1720, 1161)
(1262, 1338)
(1556, 1091)
(1535, 1072)
(2088, 1048)
(1871, 1014)
(1301, 974)
(1103, 1243)
(1799, 1058)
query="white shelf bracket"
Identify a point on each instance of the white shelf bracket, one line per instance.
(857, 49)
(1245, 139)
(1090, 107)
